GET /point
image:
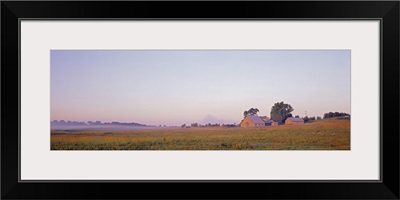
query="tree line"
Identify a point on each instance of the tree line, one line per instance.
(207, 125)
(335, 115)
(92, 123)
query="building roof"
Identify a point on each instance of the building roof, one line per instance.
(293, 119)
(264, 118)
(255, 119)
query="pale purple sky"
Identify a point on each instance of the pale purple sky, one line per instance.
(173, 87)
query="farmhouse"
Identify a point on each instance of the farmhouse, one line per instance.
(292, 120)
(252, 121)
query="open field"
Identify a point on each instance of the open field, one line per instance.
(319, 135)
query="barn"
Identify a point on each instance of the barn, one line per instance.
(292, 120)
(252, 121)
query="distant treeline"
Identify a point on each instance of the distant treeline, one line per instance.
(92, 123)
(336, 115)
(309, 119)
(207, 125)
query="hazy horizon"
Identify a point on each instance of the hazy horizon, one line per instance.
(174, 87)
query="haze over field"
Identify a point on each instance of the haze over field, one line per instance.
(174, 87)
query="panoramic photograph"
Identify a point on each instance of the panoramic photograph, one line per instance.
(200, 99)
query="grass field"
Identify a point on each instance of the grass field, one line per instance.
(319, 135)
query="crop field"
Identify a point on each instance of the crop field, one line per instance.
(319, 135)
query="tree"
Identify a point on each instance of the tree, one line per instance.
(251, 111)
(194, 124)
(281, 111)
(183, 125)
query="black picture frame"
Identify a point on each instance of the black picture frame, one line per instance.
(386, 11)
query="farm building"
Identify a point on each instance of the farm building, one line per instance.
(271, 123)
(252, 121)
(292, 120)
(268, 122)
